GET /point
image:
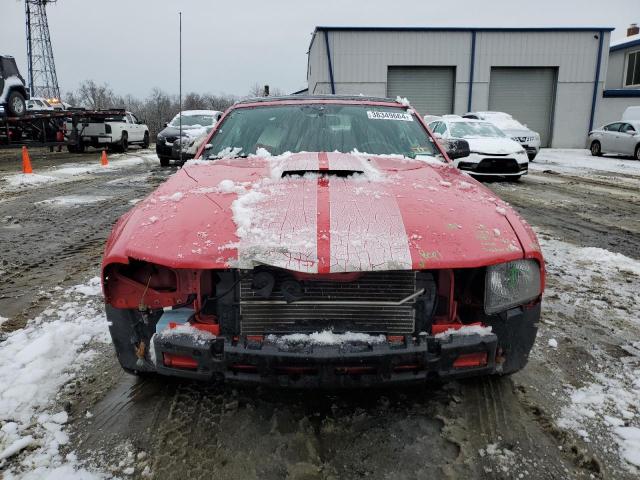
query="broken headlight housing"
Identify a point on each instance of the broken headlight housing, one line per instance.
(510, 284)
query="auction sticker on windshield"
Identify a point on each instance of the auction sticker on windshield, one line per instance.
(405, 117)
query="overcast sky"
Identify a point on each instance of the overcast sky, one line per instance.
(227, 46)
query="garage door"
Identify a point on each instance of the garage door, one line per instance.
(527, 94)
(429, 89)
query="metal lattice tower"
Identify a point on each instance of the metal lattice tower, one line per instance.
(43, 81)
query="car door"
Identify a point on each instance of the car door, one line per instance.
(135, 135)
(609, 138)
(627, 139)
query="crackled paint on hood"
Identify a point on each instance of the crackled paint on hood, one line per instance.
(397, 214)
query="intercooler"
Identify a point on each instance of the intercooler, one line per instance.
(376, 302)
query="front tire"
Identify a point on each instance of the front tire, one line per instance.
(637, 152)
(531, 156)
(596, 149)
(17, 105)
(164, 161)
(514, 178)
(145, 140)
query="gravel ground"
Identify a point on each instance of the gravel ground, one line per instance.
(529, 425)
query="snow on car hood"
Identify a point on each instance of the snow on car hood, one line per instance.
(493, 146)
(285, 212)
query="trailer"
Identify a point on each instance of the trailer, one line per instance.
(50, 128)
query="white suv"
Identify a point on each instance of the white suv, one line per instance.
(492, 153)
(526, 137)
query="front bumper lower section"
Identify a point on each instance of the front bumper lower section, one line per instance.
(317, 366)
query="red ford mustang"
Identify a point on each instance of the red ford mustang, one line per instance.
(322, 241)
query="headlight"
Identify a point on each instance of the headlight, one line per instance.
(510, 284)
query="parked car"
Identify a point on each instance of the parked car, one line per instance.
(116, 133)
(618, 137)
(492, 153)
(518, 132)
(13, 92)
(195, 124)
(284, 254)
(39, 104)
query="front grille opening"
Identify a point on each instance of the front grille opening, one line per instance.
(368, 303)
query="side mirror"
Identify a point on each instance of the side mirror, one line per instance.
(165, 124)
(142, 122)
(456, 148)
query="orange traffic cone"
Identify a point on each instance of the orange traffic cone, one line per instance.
(26, 161)
(104, 161)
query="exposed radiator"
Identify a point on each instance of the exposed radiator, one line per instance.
(368, 304)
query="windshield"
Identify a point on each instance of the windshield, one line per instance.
(322, 128)
(192, 121)
(475, 130)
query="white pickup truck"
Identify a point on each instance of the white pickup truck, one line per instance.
(116, 133)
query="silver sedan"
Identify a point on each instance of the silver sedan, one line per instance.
(618, 137)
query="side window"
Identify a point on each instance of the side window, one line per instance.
(613, 127)
(433, 126)
(628, 128)
(632, 78)
(133, 118)
(442, 128)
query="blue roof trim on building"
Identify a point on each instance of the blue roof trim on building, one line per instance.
(470, 29)
(621, 93)
(622, 46)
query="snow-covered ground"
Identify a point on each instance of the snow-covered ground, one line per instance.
(68, 171)
(602, 287)
(580, 162)
(35, 364)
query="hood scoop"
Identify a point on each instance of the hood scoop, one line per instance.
(342, 173)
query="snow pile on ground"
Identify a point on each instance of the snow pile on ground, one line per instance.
(35, 362)
(581, 162)
(25, 179)
(69, 171)
(73, 200)
(325, 337)
(610, 403)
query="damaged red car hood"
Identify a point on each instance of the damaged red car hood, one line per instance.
(321, 213)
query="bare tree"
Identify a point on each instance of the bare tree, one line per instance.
(94, 96)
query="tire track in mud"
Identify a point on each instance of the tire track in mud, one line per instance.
(46, 246)
(577, 212)
(195, 430)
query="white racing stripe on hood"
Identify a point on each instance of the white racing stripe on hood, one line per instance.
(277, 225)
(367, 231)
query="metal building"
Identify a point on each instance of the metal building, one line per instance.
(548, 78)
(622, 87)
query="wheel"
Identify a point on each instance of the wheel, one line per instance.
(16, 104)
(637, 152)
(531, 156)
(596, 150)
(81, 147)
(514, 178)
(164, 161)
(145, 140)
(123, 144)
(71, 148)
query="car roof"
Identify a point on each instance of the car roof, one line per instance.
(305, 98)
(186, 113)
